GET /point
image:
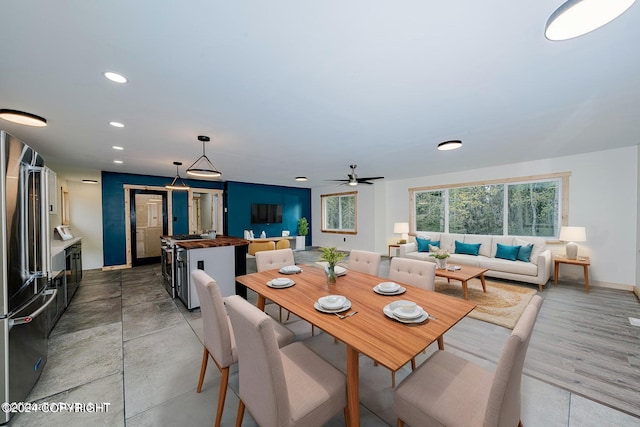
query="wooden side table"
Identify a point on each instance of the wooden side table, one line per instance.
(393, 246)
(583, 261)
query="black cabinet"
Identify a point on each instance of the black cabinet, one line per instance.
(73, 269)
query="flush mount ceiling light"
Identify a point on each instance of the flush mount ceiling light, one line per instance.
(23, 118)
(89, 181)
(203, 167)
(577, 17)
(117, 147)
(115, 77)
(116, 124)
(119, 162)
(301, 178)
(177, 183)
(449, 145)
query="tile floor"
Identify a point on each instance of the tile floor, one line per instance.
(125, 342)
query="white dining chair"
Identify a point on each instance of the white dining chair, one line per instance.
(287, 386)
(219, 339)
(364, 262)
(421, 274)
(447, 390)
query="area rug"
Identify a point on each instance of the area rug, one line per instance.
(502, 304)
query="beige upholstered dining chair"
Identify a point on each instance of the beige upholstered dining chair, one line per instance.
(219, 340)
(447, 390)
(270, 260)
(288, 386)
(364, 262)
(413, 272)
(421, 274)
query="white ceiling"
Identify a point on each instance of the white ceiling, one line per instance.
(288, 88)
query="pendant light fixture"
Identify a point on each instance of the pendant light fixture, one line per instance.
(177, 183)
(577, 17)
(203, 167)
(23, 118)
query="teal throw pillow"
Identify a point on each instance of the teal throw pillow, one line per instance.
(467, 248)
(423, 244)
(524, 254)
(507, 252)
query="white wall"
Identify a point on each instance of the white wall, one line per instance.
(369, 213)
(603, 198)
(85, 202)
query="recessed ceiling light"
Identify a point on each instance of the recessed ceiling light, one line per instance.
(89, 181)
(449, 145)
(22, 118)
(301, 178)
(116, 124)
(117, 147)
(115, 77)
(118, 162)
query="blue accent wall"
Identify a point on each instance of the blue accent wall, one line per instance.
(238, 197)
(296, 203)
(113, 215)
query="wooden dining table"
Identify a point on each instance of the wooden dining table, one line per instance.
(370, 332)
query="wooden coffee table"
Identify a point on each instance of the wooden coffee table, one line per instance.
(465, 274)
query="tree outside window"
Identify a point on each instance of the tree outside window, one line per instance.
(339, 212)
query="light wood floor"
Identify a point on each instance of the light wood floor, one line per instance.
(582, 342)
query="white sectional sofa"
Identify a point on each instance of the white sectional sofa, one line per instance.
(536, 271)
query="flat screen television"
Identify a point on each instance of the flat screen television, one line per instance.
(263, 213)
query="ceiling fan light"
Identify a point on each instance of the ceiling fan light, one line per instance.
(449, 145)
(353, 183)
(23, 118)
(578, 17)
(203, 167)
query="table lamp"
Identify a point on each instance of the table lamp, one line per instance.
(572, 235)
(401, 228)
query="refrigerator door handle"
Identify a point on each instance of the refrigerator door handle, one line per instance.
(29, 318)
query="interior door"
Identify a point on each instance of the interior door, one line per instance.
(149, 221)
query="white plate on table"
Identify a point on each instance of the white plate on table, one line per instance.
(400, 291)
(389, 311)
(290, 269)
(332, 302)
(347, 306)
(280, 282)
(340, 271)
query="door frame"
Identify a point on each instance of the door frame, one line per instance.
(127, 213)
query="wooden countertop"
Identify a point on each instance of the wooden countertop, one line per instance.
(212, 243)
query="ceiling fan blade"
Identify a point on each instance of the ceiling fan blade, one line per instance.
(365, 182)
(340, 180)
(370, 178)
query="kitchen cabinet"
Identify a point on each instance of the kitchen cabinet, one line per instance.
(73, 269)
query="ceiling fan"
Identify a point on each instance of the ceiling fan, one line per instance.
(354, 180)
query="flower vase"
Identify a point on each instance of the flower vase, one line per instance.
(441, 263)
(330, 270)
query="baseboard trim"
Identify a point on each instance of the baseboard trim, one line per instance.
(637, 292)
(116, 267)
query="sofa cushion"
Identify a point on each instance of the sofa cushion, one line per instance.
(447, 241)
(539, 245)
(422, 256)
(514, 267)
(503, 240)
(524, 253)
(485, 243)
(423, 244)
(509, 253)
(471, 260)
(467, 248)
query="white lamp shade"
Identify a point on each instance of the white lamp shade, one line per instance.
(401, 227)
(573, 234)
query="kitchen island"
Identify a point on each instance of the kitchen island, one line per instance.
(222, 258)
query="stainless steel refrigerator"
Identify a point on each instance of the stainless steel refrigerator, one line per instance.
(25, 257)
